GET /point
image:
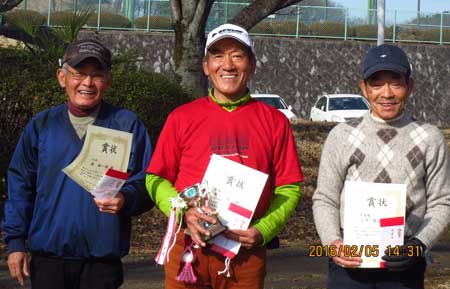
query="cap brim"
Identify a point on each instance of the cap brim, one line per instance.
(223, 37)
(77, 60)
(385, 67)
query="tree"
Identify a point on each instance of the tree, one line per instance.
(6, 5)
(189, 18)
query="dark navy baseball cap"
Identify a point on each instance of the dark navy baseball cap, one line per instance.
(385, 57)
(80, 50)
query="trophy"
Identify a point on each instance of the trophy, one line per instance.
(197, 196)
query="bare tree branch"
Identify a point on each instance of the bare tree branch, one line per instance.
(14, 33)
(258, 10)
(287, 3)
(6, 5)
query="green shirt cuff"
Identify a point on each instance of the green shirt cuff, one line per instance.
(284, 202)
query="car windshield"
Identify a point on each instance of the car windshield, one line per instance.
(347, 103)
(273, 101)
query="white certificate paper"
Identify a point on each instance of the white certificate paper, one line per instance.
(234, 191)
(110, 184)
(374, 218)
(103, 148)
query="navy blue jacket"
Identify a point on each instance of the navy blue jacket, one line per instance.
(54, 214)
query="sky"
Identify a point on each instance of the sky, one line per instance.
(407, 5)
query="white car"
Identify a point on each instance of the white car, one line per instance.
(277, 102)
(339, 107)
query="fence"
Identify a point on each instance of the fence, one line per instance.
(293, 21)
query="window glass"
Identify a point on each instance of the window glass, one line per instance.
(347, 103)
(322, 103)
(273, 101)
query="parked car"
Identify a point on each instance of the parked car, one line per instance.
(277, 102)
(339, 107)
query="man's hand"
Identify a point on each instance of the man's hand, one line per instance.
(111, 206)
(18, 266)
(192, 217)
(342, 260)
(249, 238)
(404, 257)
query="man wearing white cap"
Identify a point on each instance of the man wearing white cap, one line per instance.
(229, 123)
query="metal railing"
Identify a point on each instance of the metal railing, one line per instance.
(293, 21)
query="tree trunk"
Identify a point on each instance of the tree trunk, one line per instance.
(188, 57)
(189, 18)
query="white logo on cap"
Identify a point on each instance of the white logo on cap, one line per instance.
(228, 30)
(383, 55)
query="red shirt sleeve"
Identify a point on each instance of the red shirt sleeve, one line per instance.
(286, 161)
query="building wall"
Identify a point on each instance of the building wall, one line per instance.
(302, 69)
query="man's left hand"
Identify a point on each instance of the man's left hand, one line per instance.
(112, 205)
(404, 257)
(248, 238)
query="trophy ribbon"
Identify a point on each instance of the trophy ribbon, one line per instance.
(170, 236)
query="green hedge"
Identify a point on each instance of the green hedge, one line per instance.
(28, 86)
(156, 22)
(334, 29)
(422, 34)
(280, 27)
(369, 31)
(58, 17)
(108, 19)
(151, 95)
(16, 15)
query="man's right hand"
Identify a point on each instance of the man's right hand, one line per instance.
(18, 266)
(192, 217)
(342, 260)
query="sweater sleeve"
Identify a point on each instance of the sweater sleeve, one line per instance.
(21, 189)
(326, 198)
(137, 200)
(437, 183)
(284, 202)
(161, 191)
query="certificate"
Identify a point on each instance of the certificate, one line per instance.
(374, 218)
(103, 148)
(233, 191)
(110, 184)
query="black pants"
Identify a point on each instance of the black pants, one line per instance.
(57, 273)
(342, 278)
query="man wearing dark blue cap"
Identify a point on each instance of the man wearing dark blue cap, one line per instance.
(75, 241)
(385, 146)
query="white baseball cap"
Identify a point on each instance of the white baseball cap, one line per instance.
(228, 31)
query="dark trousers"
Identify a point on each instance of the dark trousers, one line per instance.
(341, 278)
(57, 273)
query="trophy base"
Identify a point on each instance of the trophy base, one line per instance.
(214, 230)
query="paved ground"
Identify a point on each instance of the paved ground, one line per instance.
(288, 268)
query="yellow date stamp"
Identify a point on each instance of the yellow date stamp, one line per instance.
(332, 251)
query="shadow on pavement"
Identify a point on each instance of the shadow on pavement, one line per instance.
(288, 268)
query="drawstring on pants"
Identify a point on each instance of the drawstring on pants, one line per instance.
(227, 268)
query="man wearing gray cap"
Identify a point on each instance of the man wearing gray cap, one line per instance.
(228, 123)
(384, 146)
(75, 240)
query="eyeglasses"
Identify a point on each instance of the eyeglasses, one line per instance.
(79, 76)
